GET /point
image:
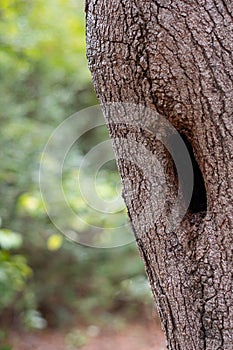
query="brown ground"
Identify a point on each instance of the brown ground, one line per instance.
(133, 337)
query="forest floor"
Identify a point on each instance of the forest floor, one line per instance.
(133, 337)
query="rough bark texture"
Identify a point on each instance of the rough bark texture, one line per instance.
(176, 57)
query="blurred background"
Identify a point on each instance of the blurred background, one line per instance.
(51, 289)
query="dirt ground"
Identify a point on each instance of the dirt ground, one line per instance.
(133, 337)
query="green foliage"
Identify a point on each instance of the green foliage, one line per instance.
(3, 341)
(44, 278)
(14, 270)
(14, 276)
(76, 339)
(34, 320)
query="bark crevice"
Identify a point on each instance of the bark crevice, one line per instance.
(198, 202)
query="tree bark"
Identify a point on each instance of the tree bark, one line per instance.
(176, 58)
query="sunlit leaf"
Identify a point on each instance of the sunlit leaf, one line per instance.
(54, 242)
(10, 239)
(29, 202)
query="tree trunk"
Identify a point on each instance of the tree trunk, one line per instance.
(175, 58)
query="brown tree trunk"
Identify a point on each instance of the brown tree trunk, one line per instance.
(176, 58)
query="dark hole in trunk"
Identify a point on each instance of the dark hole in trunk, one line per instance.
(198, 201)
